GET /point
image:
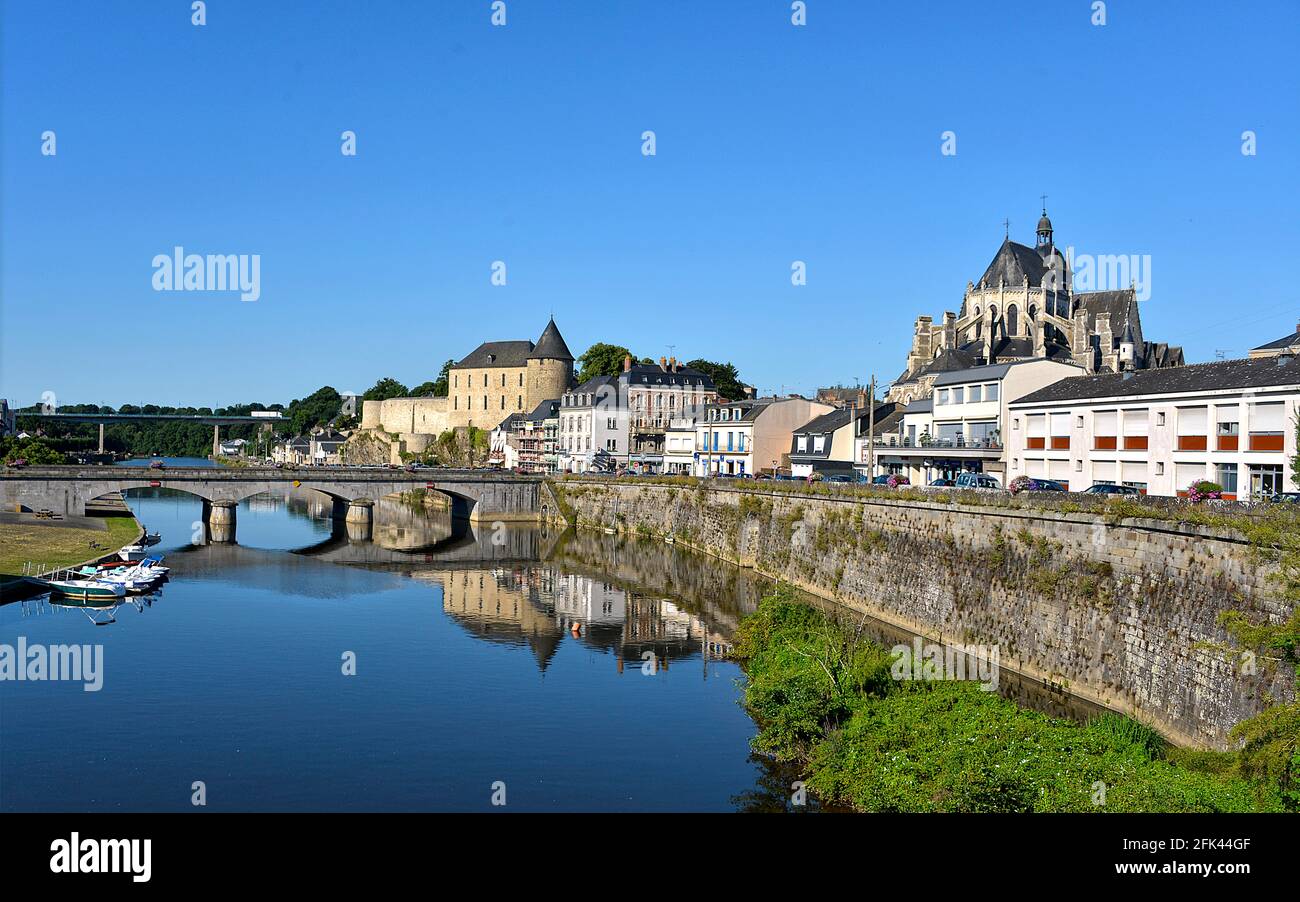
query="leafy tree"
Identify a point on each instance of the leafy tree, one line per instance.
(384, 389)
(725, 378)
(33, 450)
(601, 359)
(442, 387)
(316, 409)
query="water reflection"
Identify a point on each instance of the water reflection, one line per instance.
(586, 670)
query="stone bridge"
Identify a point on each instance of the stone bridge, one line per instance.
(483, 496)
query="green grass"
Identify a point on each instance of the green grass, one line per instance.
(823, 697)
(58, 546)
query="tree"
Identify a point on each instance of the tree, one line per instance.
(33, 450)
(601, 359)
(725, 378)
(1295, 461)
(384, 389)
(319, 407)
(442, 387)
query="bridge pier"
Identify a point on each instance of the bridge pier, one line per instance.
(360, 520)
(216, 440)
(101, 438)
(219, 516)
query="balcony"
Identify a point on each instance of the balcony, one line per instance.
(1105, 442)
(1060, 443)
(1227, 443)
(1192, 443)
(1135, 443)
(1267, 441)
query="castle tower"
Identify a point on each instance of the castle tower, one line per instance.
(550, 367)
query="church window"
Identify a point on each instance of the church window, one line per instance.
(521, 380)
(1013, 320)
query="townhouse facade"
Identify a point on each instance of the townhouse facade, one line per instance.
(656, 394)
(740, 438)
(827, 444)
(592, 427)
(1231, 422)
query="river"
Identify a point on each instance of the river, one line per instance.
(428, 667)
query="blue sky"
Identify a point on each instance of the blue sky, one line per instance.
(477, 143)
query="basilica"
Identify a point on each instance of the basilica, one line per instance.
(1023, 307)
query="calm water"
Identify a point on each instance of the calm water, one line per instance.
(583, 671)
(469, 671)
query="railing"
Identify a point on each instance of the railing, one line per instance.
(991, 444)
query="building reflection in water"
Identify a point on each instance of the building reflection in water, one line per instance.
(538, 605)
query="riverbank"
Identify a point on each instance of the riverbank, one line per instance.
(53, 544)
(826, 699)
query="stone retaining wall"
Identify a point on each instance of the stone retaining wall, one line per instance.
(1122, 614)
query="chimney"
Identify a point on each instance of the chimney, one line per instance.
(663, 363)
(627, 363)
(672, 364)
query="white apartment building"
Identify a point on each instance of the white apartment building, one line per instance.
(593, 431)
(962, 426)
(680, 447)
(1232, 422)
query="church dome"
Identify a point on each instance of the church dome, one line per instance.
(1044, 224)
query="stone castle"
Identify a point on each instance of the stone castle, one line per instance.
(1024, 307)
(496, 379)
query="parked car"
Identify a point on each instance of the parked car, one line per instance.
(839, 477)
(880, 480)
(942, 481)
(1110, 488)
(1292, 497)
(157, 465)
(17, 463)
(1028, 484)
(977, 481)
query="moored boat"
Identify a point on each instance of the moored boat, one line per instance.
(87, 589)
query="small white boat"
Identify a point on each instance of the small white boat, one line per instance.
(152, 538)
(133, 553)
(133, 579)
(87, 589)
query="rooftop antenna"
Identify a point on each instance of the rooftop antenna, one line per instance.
(1220, 354)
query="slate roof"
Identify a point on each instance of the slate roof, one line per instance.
(974, 374)
(752, 408)
(1284, 342)
(551, 345)
(653, 374)
(544, 411)
(511, 423)
(826, 423)
(1217, 376)
(921, 405)
(829, 423)
(1013, 262)
(1120, 304)
(497, 353)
